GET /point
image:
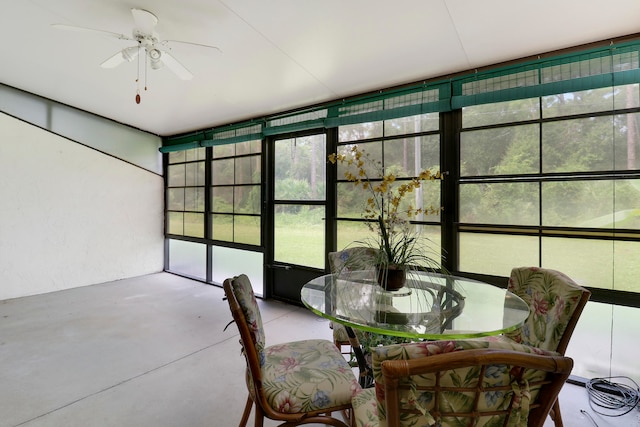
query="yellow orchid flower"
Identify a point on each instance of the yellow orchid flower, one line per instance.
(386, 210)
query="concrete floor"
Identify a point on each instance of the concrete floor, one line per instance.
(150, 351)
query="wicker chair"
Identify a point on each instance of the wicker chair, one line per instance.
(556, 303)
(299, 382)
(349, 259)
(461, 383)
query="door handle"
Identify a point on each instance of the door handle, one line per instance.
(286, 267)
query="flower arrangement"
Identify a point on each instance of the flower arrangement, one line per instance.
(389, 212)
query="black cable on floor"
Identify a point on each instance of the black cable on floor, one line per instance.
(616, 397)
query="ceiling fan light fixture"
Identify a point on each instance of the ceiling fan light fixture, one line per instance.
(155, 58)
(155, 54)
(156, 64)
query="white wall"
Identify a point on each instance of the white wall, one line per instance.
(72, 216)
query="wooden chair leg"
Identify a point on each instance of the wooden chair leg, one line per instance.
(259, 414)
(247, 412)
(555, 414)
(347, 416)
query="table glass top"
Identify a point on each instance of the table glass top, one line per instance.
(430, 306)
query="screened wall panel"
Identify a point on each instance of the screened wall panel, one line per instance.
(561, 168)
(500, 151)
(236, 193)
(185, 198)
(390, 151)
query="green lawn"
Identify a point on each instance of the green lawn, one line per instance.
(593, 263)
(299, 239)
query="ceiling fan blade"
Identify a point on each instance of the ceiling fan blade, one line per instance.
(145, 21)
(168, 43)
(113, 61)
(90, 30)
(175, 66)
(128, 54)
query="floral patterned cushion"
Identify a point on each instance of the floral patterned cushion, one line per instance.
(369, 406)
(354, 258)
(552, 297)
(243, 291)
(365, 408)
(303, 376)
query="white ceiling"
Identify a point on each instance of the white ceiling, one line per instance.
(279, 55)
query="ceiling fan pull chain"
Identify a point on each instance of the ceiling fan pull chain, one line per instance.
(138, 78)
(146, 61)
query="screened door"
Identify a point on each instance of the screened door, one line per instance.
(298, 213)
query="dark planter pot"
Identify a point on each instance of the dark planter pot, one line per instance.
(392, 278)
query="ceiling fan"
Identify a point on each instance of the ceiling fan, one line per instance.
(156, 51)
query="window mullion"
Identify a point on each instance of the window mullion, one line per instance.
(208, 211)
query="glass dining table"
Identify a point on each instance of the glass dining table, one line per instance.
(430, 306)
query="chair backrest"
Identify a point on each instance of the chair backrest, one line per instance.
(458, 388)
(246, 314)
(556, 303)
(353, 258)
(467, 382)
